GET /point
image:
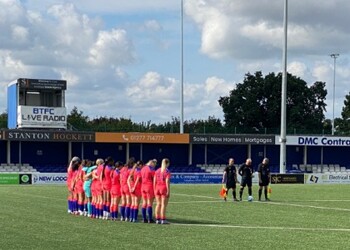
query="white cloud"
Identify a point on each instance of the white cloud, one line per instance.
(236, 29)
(112, 48)
(69, 76)
(121, 74)
(321, 71)
(201, 100)
(20, 34)
(11, 67)
(12, 20)
(152, 25)
(263, 33)
(153, 89)
(297, 68)
(214, 26)
(159, 97)
(71, 28)
(343, 71)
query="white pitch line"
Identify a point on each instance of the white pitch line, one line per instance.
(282, 203)
(219, 200)
(185, 202)
(322, 201)
(264, 227)
(198, 196)
(307, 206)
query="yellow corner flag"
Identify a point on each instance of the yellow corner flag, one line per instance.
(223, 191)
(269, 191)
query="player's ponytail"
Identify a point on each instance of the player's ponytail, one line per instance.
(132, 172)
(75, 163)
(131, 162)
(103, 170)
(165, 164)
(118, 165)
(108, 161)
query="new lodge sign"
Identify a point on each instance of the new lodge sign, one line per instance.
(232, 139)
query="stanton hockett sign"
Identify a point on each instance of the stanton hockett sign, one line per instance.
(27, 135)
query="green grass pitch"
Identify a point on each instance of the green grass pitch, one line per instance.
(298, 217)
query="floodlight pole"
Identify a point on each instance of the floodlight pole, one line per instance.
(182, 71)
(334, 56)
(283, 136)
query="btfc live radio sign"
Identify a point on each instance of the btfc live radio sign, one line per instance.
(41, 117)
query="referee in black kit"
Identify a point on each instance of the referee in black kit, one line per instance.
(230, 178)
(246, 171)
(264, 177)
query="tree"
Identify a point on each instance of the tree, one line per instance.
(76, 120)
(211, 125)
(255, 104)
(343, 124)
(114, 124)
(327, 126)
(3, 120)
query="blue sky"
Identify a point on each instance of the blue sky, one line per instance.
(122, 58)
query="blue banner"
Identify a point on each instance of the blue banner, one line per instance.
(195, 178)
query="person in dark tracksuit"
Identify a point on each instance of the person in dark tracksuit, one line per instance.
(230, 178)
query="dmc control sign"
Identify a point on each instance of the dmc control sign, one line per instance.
(318, 141)
(41, 117)
(324, 141)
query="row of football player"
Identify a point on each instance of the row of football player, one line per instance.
(106, 189)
